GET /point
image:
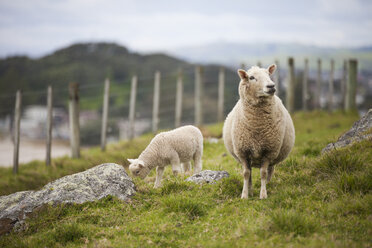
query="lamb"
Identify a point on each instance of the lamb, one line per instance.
(259, 131)
(180, 145)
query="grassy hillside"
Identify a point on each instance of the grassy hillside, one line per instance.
(313, 200)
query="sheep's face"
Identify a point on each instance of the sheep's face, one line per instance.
(256, 83)
(137, 168)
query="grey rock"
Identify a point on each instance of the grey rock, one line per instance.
(207, 176)
(90, 185)
(355, 134)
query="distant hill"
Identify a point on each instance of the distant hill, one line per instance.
(236, 53)
(90, 63)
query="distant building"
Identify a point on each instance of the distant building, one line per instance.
(33, 122)
(141, 126)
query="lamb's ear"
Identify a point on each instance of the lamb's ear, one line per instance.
(131, 160)
(271, 69)
(243, 74)
(141, 163)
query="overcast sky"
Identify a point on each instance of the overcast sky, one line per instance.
(38, 27)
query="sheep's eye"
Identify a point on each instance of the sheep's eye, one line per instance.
(251, 78)
(137, 172)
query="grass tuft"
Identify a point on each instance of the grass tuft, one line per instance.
(66, 233)
(337, 162)
(191, 207)
(230, 187)
(172, 187)
(293, 222)
(359, 182)
(311, 149)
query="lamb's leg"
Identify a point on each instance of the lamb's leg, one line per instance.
(198, 161)
(263, 172)
(176, 167)
(247, 175)
(159, 175)
(270, 172)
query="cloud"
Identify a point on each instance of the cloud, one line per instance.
(36, 27)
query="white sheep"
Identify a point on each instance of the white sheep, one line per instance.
(180, 145)
(259, 131)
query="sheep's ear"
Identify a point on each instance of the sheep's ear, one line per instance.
(243, 74)
(271, 69)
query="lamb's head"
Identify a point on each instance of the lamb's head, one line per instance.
(138, 168)
(256, 83)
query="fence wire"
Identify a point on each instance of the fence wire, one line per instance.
(91, 98)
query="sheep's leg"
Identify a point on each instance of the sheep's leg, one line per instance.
(176, 167)
(159, 175)
(186, 167)
(198, 161)
(270, 172)
(247, 186)
(263, 172)
(250, 191)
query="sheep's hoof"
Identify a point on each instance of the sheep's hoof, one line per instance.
(244, 196)
(263, 196)
(156, 186)
(188, 173)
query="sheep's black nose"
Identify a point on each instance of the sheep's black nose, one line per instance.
(271, 88)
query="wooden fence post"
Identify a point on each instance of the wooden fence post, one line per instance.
(290, 86)
(17, 133)
(221, 94)
(105, 108)
(179, 93)
(49, 126)
(74, 120)
(330, 86)
(243, 66)
(198, 96)
(350, 103)
(318, 85)
(277, 78)
(132, 106)
(155, 110)
(305, 94)
(343, 85)
(259, 64)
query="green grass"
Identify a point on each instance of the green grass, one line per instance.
(35, 174)
(313, 200)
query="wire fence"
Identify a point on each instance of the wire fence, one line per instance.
(91, 98)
